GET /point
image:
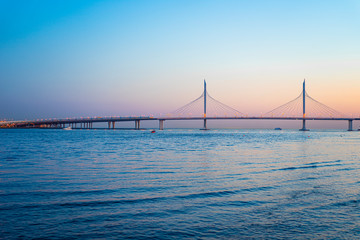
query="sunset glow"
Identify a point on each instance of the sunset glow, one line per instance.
(98, 58)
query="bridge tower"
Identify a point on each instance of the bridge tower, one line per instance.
(205, 93)
(304, 111)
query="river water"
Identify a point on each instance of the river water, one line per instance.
(179, 184)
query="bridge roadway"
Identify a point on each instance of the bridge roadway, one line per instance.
(87, 123)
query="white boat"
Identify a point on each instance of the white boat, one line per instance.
(67, 128)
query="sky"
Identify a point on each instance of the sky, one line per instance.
(118, 58)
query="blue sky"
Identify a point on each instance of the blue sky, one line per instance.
(99, 58)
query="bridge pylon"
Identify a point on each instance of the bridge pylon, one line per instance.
(304, 110)
(205, 93)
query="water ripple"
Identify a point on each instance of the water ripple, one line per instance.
(179, 184)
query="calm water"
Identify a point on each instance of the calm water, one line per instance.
(176, 184)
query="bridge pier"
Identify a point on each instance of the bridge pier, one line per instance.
(113, 125)
(137, 124)
(161, 124)
(205, 125)
(304, 126)
(350, 125)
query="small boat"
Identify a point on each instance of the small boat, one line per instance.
(277, 129)
(153, 131)
(67, 128)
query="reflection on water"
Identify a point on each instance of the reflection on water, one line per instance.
(179, 184)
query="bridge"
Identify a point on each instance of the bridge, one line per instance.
(302, 108)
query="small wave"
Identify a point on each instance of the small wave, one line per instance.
(294, 168)
(350, 203)
(58, 193)
(128, 201)
(208, 194)
(324, 162)
(306, 193)
(76, 204)
(309, 166)
(347, 169)
(237, 203)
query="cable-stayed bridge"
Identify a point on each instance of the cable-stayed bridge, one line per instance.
(204, 108)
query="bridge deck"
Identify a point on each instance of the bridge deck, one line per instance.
(55, 122)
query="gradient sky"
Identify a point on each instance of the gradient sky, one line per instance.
(101, 58)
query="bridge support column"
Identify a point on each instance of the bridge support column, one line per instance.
(161, 124)
(350, 125)
(109, 123)
(303, 126)
(137, 124)
(205, 125)
(113, 125)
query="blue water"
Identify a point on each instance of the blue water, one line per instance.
(179, 184)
